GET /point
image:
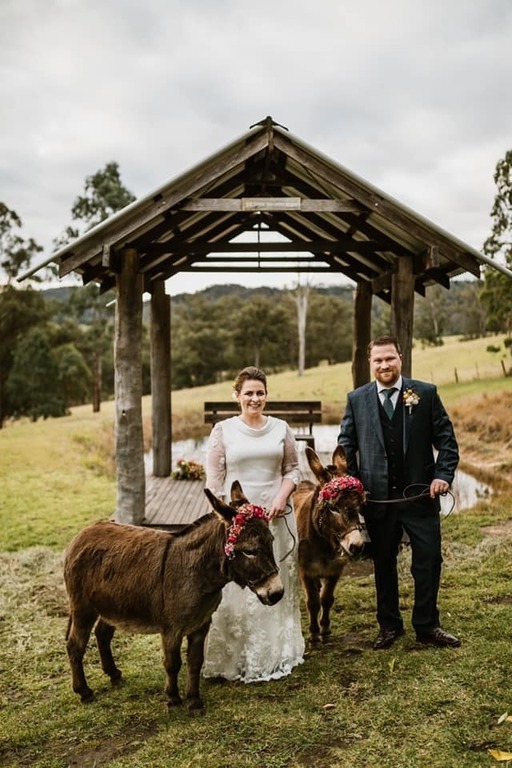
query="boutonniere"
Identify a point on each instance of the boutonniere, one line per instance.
(411, 398)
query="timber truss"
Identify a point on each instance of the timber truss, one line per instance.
(270, 203)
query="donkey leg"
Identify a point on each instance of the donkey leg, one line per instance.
(195, 658)
(171, 645)
(79, 631)
(312, 590)
(104, 633)
(326, 600)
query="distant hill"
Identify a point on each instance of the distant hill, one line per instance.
(57, 294)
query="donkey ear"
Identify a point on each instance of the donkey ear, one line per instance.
(316, 465)
(238, 497)
(224, 510)
(339, 460)
(312, 457)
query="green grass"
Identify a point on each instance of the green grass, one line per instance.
(345, 707)
(475, 369)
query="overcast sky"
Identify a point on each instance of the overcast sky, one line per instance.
(412, 95)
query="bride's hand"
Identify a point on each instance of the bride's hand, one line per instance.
(278, 508)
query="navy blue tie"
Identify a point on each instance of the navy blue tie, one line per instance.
(387, 404)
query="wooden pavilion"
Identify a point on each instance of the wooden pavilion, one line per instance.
(325, 220)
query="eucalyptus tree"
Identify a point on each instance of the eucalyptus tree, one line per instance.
(497, 294)
(104, 194)
(16, 252)
(263, 334)
(430, 316)
(20, 308)
(33, 387)
(301, 295)
(329, 330)
(94, 312)
(201, 348)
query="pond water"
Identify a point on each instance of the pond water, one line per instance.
(465, 489)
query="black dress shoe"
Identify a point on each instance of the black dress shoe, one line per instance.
(386, 638)
(439, 637)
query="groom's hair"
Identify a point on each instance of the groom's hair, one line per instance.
(382, 341)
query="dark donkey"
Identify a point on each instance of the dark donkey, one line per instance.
(329, 531)
(154, 581)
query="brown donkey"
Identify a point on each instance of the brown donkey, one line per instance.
(154, 581)
(329, 531)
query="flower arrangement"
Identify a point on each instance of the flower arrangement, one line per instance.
(244, 513)
(411, 398)
(332, 490)
(188, 469)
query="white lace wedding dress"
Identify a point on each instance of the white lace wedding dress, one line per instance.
(247, 640)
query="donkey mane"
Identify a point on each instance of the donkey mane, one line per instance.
(189, 527)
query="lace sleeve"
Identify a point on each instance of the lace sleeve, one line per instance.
(290, 466)
(216, 462)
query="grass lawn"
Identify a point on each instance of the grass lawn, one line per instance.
(346, 706)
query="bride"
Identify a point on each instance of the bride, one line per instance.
(249, 641)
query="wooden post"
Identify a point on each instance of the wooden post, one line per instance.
(361, 327)
(402, 309)
(161, 379)
(131, 480)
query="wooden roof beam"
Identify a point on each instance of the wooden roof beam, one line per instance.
(377, 204)
(152, 212)
(373, 261)
(341, 245)
(270, 204)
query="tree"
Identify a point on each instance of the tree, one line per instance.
(201, 341)
(16, 252)
(300, 296)
(329, 331)
(497, 294)
(263, 333)
(73, 374)
(104, 195)
(19, 312)
(468, 316)
(33, 386)
(88, 306)
(429, 316)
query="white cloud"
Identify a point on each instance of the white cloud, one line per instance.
(410, 95)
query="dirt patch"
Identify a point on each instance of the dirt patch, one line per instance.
(90, 755)
(503, 530)
(356, 568)
(103, 753)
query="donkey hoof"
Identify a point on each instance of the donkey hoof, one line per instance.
(195, 707)
(174, 701)
(86, 696)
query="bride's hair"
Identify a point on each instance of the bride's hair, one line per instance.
(249, 374)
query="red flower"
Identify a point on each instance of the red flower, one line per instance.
(332, 490)
(244, 513)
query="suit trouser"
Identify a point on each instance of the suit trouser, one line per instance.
(422, 523)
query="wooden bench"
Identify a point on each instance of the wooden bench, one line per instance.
(299, 414)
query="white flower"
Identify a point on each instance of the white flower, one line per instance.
(411, 398)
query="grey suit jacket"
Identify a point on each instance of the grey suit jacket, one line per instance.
(427, 426)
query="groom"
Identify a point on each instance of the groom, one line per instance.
(389, 432)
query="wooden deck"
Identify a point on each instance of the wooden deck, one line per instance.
(172, 503)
